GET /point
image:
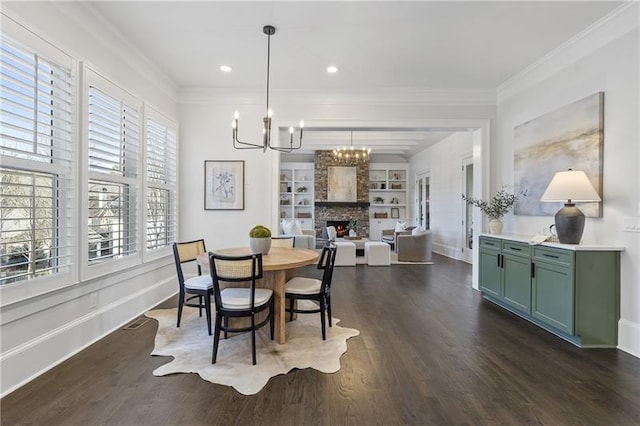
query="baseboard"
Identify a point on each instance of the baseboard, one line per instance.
(24, 363)
(448, 251)
(629, 337)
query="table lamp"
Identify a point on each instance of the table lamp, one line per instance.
(569, 187)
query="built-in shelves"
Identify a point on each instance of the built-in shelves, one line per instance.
(388, 195)
(296, 193)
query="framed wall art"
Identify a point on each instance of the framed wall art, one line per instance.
(571, 137)
(224, 185)
(341, 184)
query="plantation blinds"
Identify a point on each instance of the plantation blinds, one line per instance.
(36, 95)
(113, 138)
(161, 181)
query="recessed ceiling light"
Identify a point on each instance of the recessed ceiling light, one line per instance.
(332, 69)
(225, 68)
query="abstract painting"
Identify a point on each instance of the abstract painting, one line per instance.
(570, 137)
(341, 184)
(224, 185)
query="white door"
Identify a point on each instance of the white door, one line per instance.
(467, 210)
(422, 212)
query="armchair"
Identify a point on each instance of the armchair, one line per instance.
(389, 236)
(414, 248)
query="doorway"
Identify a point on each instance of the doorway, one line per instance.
(467, 209)
(422, 202)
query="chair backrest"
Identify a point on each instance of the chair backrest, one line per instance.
(187, 251)
(326, 262)
(286, 242)
(246, 268)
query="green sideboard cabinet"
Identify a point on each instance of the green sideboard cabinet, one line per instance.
(572, 291)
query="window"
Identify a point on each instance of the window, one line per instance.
(161, 181)
(113, 143)
(37, 159)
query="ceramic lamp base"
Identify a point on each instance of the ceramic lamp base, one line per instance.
(569, 224)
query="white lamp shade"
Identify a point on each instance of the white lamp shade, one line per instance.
(570, 186)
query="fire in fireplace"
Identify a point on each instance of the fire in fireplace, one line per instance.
(341, 227)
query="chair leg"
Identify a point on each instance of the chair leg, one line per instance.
(180, 304)
(322, 319)
(291, 303)
(200, 305)
(329, 309)
(207, 308)
(272, 320)
(216, 338)
(226, 327)
(253, 339)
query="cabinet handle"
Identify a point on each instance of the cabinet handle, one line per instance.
(553, 256)
(533, 270)
(516, 248)
(498, 257)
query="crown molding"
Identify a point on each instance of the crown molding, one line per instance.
(400, 96)
(616, 24)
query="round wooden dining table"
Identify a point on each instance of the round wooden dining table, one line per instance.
(278, 266)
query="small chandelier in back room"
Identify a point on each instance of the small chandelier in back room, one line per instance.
(269, 30)
(351, 153)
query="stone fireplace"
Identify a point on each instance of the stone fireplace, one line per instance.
(326, 211)
(341, 227)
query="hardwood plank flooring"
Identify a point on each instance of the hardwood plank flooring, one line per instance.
(431, 351)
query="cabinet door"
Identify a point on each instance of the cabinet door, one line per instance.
(552, 294)
(516, 276)
(490, 272)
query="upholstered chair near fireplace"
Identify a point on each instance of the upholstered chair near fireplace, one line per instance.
(302, 238)
(415, 247)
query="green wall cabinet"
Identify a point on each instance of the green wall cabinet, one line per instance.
(572, 291)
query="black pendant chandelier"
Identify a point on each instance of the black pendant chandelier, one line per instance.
(269, 30)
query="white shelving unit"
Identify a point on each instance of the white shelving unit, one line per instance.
(296, 192)
(388, 195)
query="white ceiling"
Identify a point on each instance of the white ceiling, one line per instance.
(376, 45)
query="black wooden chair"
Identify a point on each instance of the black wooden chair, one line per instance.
(301, 288)
(199, 287)
(235, 302)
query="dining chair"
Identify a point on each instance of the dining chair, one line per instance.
(199, 286)
(302, 288)
(286, 242)
(235, 302)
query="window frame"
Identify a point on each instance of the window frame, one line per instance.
(151, 113)
(14, 292)
(92, 77)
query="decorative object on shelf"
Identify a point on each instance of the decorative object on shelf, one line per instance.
(224, 185)
(572, 135)
(304, 215)
(568, 187)
(495, 209)
(394, 200)
(378, 200)
(269, 30)
(380, 215)
(383, 186)
(351, 153)
(260, 239)
(395, 213)
(301, 189)
(396, 186)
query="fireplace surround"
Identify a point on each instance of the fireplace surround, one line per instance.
(341, 227)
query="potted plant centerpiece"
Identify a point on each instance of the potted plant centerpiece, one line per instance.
(351, 227)
(497, 207)
(260, 239)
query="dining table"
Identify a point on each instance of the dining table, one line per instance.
(278, 266)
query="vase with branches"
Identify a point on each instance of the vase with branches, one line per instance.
(499, 205)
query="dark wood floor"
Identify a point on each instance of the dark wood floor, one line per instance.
(431, 351)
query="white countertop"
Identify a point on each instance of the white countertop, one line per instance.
(575, 247)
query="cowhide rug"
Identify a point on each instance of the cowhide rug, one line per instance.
(191, 347)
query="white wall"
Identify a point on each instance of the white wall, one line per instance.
(444, 162)
(605, 59)
(205, 122)
(41, 331)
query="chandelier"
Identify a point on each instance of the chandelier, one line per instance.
(269, 30)
(351, 153)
